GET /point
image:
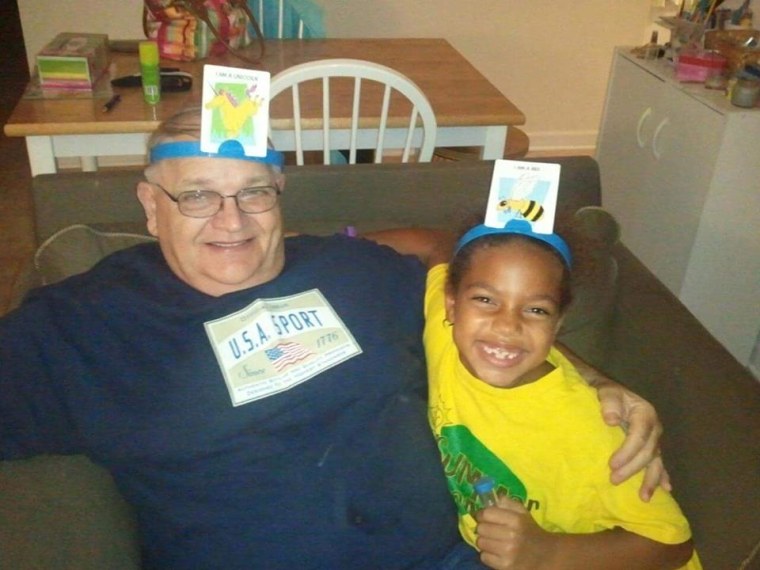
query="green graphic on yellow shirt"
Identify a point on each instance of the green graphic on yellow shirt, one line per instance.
(465, 460)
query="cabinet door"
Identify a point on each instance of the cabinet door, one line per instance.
(656, 153)
(683, 150)
(626, 128)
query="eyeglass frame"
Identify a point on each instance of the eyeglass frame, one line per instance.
(176, 199)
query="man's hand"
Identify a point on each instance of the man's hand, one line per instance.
(640, 450)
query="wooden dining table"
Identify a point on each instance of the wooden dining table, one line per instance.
(469, 110)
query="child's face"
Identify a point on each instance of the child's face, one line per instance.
(506, 313)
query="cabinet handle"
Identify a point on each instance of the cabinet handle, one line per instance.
(656, 152)
(642, 119)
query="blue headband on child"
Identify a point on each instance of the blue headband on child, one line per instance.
(523, 228)
(228, 149)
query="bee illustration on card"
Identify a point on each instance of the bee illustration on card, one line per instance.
(522, 190)
(528, 209)
(523, 201)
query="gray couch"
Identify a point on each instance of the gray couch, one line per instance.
(60, 512)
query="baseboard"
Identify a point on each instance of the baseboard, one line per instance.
(584, 142)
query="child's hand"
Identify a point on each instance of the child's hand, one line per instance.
(509, 538)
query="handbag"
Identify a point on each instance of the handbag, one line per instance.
(187, 30)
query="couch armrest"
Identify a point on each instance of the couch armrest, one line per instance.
(26, 279)
(710, 407)
(62, 513)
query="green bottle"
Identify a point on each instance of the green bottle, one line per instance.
(150, 71)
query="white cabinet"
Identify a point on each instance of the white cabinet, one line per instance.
(680, 170)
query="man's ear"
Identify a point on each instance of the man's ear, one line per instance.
(146, 193)
(279, 180)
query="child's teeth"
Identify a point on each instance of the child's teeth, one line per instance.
(501, 353)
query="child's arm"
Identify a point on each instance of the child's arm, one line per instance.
(430, 246)
(509, 538)
(640, 450)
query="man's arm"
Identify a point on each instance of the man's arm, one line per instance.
(430, 246)
(619, 406)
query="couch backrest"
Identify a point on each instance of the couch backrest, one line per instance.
(76, 208)
(317, 199)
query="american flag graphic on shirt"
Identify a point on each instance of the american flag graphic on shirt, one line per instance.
(287, 353)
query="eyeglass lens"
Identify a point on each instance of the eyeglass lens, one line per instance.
(205, 203)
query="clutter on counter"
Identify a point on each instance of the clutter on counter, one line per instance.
(714, 46)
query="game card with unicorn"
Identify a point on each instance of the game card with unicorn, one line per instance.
(235, 106)
(523, 190)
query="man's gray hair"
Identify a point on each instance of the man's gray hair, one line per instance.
(185, 123)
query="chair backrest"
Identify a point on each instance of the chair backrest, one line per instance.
(287, 19)
(375, 91)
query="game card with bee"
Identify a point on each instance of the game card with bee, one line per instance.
(235, 107)
(523, 190)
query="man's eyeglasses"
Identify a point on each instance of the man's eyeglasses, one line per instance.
(206, 203)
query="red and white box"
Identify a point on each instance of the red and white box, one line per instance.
(699, 65)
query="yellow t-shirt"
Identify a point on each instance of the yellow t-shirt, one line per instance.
(544, 443)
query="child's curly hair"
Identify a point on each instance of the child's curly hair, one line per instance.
(580, 243)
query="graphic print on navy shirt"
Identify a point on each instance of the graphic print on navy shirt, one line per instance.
(274, 344)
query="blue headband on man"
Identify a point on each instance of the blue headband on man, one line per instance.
(523, 228)
(228, 149)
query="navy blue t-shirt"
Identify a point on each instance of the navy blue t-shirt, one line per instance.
(340, 471)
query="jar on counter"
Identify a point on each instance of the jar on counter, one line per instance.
(745, 93)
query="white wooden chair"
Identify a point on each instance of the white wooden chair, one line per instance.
(409, 130)
(286, 19)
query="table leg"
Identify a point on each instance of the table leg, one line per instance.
(41, 156)
(88, 163)
(495, 142)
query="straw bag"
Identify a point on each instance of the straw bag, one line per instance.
(187, 30)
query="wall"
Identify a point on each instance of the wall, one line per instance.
(550, 58)
(41, 20)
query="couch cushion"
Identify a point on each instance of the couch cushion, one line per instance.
(587, 326)
(75, 249)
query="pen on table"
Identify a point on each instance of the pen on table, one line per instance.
(112, 102)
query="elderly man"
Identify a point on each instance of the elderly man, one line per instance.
(260, 401)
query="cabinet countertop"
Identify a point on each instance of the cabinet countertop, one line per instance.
(716, 99)
(680, 172)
